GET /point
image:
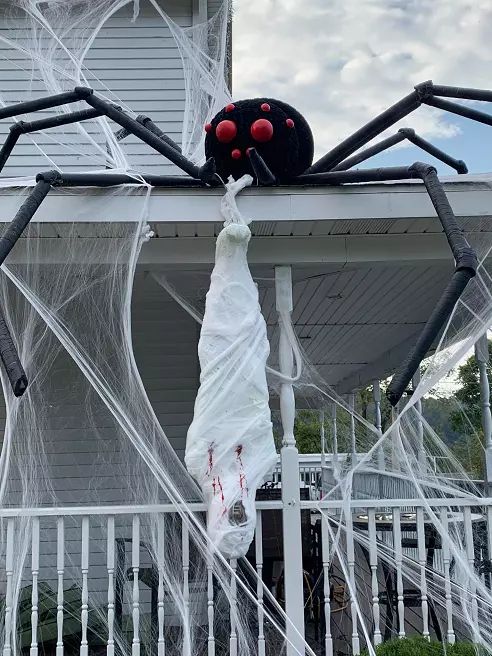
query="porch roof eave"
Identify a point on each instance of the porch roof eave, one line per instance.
(470, 195)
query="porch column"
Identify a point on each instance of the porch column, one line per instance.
(395, 457)
(289, 456)
(353, 438)
(420, 424)
(482, 356)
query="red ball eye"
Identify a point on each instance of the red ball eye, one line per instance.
(265, 107)
(226, 131)
(230, 108)
(289, 123)
(236, 154)
(208, 127)
(262, 130)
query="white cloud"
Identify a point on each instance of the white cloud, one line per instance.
(340, 62)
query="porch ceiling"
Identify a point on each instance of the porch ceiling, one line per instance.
(355, 322)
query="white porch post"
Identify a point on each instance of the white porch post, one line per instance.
(291, 514)
(420, 424)
(482, 356)
(353, 439)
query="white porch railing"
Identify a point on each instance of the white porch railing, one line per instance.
(89, 545)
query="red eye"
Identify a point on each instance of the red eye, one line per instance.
(208, 127)
(262, 130)
(226, 131)
(265, 107)
(236, 154)
(289, 123)
(230, 108)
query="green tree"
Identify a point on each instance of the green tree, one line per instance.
(466, 419)
(468, 396)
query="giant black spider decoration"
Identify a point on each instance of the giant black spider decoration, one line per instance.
(273, 142)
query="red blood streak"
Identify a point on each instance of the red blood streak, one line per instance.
(220, 488)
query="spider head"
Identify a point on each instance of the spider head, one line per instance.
(278, 132)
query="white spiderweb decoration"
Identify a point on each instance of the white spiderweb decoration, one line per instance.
(69, 310)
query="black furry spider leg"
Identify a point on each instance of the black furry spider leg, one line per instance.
(24, 127)
(464, 256)
(144, 129)
(44, 103)
(424, 93)
(8, 352)
(402, 134)
(150, 125)
(261, 171)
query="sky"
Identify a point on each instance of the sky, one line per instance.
(341, 62)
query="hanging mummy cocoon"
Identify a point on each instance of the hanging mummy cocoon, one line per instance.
(230, 447)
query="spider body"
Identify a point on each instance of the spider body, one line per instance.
(278, 132)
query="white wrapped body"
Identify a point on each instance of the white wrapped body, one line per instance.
(230, 445)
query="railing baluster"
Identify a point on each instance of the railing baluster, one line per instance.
(110, 544)
(399, 573)
(185, 545)
(84, 613)
(136, 585)
(34, 590)
(423, 578)
(353, 589)
(259, 589)
(470, 554)
(161, 643)
(9, 567)
(325, 554)
(373, 561)
(60, 570)
(447, 575)
(233, 636)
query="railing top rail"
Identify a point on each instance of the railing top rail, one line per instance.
(327, 504)
(116, 510)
